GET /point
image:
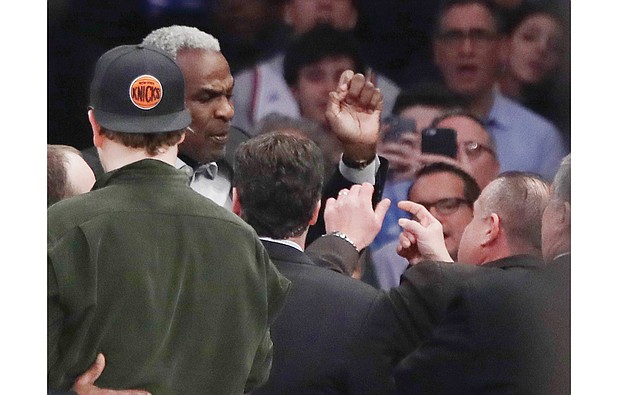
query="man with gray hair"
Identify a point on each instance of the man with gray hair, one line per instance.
(502, 240)
(208, 96)
(208, 93)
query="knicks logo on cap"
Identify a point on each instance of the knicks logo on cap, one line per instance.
(146, 92)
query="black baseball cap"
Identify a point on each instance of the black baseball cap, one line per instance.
(138, 89)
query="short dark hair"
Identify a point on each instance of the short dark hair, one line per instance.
(427, 94)
(495, 11)
(321, 42)
(279, 179)
(527, 9)
(150, 142)
(471, 190)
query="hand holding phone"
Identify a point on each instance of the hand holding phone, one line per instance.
(395, 126)
(439, 141)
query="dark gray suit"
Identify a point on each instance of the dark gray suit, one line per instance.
(313, 334)
(505, 332)
(406, 315)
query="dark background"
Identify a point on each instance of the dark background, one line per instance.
(394, 36)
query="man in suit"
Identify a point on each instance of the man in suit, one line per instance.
(503, 237)
(505, 331)
(278, 181)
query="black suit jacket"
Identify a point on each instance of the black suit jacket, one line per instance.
(506, 332)
(406, 316)
(313, 334)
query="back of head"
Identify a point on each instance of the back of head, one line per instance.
(519, 200)
(556, 227)
(171, 39)
(561, 181)
(321, 42)
(137, 97)
(66, 177)
(279, 179)
(57, 188)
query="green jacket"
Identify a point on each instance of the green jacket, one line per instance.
(177, 292)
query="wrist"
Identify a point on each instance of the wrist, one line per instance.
(344, 237)
(358, 156)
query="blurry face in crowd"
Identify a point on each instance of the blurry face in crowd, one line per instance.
(535, 49)
(303, 15)
(208, 92)
(475, 154)
(315, 82)
(422, 115)
(467, 49)
(443, 194)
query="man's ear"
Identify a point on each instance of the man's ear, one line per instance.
(236, 204)
(94, 125)
(492, 230)
(566, 215)
(315, 214)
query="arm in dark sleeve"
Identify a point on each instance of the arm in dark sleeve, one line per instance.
(338, 182)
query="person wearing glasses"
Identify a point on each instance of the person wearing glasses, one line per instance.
(448, 193)
(469, 50)
(476, 152)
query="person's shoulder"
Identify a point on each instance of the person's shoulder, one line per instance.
(340, 284)
(509, 108)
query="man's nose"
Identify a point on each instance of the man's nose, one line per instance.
(225, 109)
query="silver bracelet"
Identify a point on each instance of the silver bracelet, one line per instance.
(344, 237)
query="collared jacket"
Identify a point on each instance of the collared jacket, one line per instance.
(177, 292)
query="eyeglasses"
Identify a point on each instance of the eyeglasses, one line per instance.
(446, 206)
(476, 36)
(474, 149)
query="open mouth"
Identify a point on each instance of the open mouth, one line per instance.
(220, 139)
(467, 71)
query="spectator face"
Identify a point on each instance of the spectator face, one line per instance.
(208, 92)
(535, 49)
(303, 15)
(475, 154)
(431, 190)
(467, 50)
(314, 84)
(422, 115)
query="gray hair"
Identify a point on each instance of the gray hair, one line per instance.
(561, 182)
(519, 199)
(173, 38)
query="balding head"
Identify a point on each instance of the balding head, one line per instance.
(507, 219)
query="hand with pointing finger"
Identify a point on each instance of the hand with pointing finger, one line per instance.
(421, 239)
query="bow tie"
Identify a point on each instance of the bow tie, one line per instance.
(208, 170)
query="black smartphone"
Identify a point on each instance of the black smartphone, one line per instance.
(441, 141)
(394, 126)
